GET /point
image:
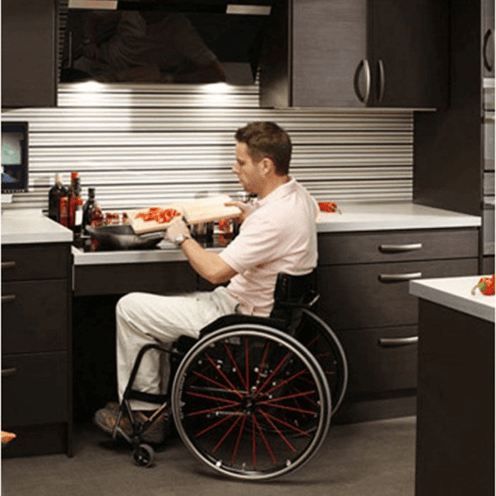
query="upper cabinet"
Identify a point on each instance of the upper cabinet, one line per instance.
(29, 53)
(487, 33)
(356, 53)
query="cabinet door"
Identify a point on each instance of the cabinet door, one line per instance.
(409, 53)
(488, 38)
(328, 44)
(29, 68)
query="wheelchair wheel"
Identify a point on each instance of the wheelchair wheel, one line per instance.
(324, 345)
(251, 402)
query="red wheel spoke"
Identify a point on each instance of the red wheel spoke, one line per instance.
(285, 407)
(215, 398)
(215, 408)
(262, 365)
(323, 355)
(289, 379)
(272, 375)
(281, 435)
(288, 397)
(264, 439)
(236, 367)
(287, 424)
(223, 376)
(213, 381)
(253, 443)
(247, 367)
(216, 424)
(235, 451)
(223, 438)
(313, 341)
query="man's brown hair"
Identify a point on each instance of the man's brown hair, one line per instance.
(267, 139)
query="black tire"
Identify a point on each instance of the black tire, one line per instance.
(251, 402)
(143, 455)
(325, 347)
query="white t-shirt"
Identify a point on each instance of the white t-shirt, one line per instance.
(279, 235)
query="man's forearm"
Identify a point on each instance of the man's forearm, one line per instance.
(207, 264)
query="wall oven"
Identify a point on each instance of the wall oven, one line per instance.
(488, 182)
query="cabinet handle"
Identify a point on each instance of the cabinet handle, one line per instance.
(363, 64)
(487, 36)
(9, 372)
(8, 265)
(8, 298)
(400, 248)
(382, 81)
(392, 342)
(399, 277)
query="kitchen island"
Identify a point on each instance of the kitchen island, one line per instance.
(455, 399)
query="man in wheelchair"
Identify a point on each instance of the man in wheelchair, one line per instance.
(278, 234)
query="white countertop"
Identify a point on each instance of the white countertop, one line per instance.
(373, 216)
(455, 293)
(377, 216)
(31, 226)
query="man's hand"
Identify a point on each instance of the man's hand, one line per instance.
(245, 209)
(176, 227)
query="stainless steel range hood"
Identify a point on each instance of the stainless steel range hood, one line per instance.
(232, 29)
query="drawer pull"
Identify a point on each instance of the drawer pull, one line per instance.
(391, 342)
(400, 248)
(399, 277)
(9, 372)
(8, 265)
(8, 298)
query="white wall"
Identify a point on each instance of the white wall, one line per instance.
(143, 145)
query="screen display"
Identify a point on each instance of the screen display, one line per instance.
(14, 156)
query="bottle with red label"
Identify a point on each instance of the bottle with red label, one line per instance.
(71, 195)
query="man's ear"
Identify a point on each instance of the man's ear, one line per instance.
(267, 166)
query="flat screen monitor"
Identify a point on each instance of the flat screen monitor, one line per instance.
(14, 157)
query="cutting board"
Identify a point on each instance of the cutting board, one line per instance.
(194, 212)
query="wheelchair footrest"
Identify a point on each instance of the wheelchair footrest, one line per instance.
(148, 397)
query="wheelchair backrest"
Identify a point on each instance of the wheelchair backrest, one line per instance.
(291, 294)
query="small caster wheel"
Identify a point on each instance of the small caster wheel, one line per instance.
(143, 455)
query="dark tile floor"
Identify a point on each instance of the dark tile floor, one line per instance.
(365, 459)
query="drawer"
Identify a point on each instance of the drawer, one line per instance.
(397, 246)
(34, 389)
(34, 316)
(113, 279)
(24, 262)
(380, 360)
(376, 295)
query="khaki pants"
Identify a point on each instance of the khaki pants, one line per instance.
(147, 318)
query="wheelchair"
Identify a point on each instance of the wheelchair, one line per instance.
(253, 397)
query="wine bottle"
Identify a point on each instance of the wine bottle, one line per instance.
(77, 208)
(54, 194)
(88, 208)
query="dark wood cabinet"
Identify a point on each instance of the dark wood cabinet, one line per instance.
(29, 53)
(36, 348)
(355, 54)
(487, 42)
(363, 279)
(454, 147)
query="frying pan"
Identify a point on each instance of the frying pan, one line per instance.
(123, 237)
